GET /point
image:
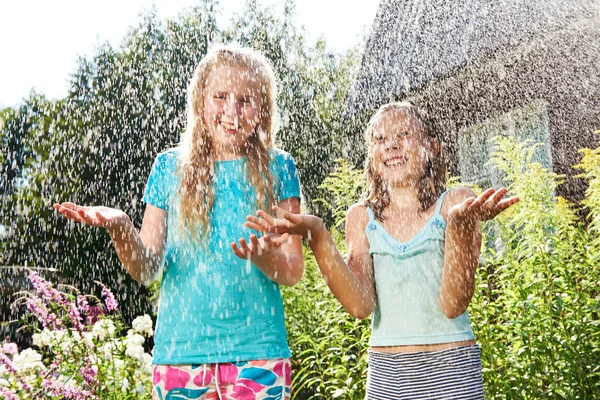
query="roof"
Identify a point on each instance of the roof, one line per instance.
(413, 42)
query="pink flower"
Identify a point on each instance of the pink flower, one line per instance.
(89, 374)
(62, 391)
(109, 298)
(10, 348)
(45, 289)
(5, 394)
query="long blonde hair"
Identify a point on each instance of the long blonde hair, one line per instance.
(196, 166)
(431, 184)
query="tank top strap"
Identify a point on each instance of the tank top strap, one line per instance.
(440, 202)
(371, 214)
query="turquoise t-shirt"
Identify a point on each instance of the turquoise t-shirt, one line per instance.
(215, 307)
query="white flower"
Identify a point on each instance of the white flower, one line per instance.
(42, 339)
(109, 349)
(135, 351)
(125, 384)
(143, 325)
(56, 337)
(28, 359)
(102, 328)
(88, 339)
(134, 339)
(147, 364)
(140, 389)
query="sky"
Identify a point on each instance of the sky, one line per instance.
(42, 39)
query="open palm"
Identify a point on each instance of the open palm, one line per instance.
(104, 217)
(485, 207)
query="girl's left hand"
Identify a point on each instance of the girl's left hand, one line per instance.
(483, 208)
(258, 247)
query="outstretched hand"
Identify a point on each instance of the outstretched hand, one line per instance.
(258, 246)
(103, 217)
(485, 207)
(286, 222)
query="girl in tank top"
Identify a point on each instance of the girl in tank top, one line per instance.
(413, 248)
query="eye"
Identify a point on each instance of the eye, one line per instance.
(219, 95)
(379, 139)
(404, 134)
(246, 100)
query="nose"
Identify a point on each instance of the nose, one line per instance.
(392, 143)
(230, 106)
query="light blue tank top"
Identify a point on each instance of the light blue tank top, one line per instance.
(408, 277)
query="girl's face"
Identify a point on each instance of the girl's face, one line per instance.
(400, 148)
(232, 104)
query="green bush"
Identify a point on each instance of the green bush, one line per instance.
(536, 305)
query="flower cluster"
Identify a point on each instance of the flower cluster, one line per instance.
(80, 351)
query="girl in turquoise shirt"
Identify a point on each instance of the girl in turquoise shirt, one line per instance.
(220, 329)
(412, 252)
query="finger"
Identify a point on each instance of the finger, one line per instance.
(465, 205)
(504, 204)
(268, 243)
(258, 222)
(482, 198)
(102, 219)
(256, 246)
(237, 251)
(85, 216)
(268, 218)
(283, 213)
(279, 240)
(70, 214)
(245, 248)
(69, 205)
(276, 224)
(256, 227)
(498, 196)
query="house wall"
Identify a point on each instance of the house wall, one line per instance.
(560, 68)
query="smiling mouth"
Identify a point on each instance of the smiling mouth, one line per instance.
(229, 128)
(395, 162)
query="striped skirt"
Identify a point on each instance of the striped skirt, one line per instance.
(446, 374)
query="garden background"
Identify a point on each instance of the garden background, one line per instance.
(535, 311)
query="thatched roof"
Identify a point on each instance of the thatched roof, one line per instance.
(416, 41)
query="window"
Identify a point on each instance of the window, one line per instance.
(475, 145)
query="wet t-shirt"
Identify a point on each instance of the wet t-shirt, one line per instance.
(215, 307)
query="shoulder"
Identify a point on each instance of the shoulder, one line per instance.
(167, 157)
(357, 215)
(280, 156)
(357, 219)
(358, 210)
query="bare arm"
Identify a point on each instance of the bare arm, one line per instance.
(461, 255)
(351, 282)
(463, 244)
(140, 253)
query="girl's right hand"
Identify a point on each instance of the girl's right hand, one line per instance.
(294, 224)
(103, 217)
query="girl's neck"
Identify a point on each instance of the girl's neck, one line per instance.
(404, 199)
(227, 154)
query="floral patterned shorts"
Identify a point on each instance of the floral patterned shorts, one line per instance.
(247, 380)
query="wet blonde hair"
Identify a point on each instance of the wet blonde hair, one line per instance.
(196, 163)
(431, 184)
